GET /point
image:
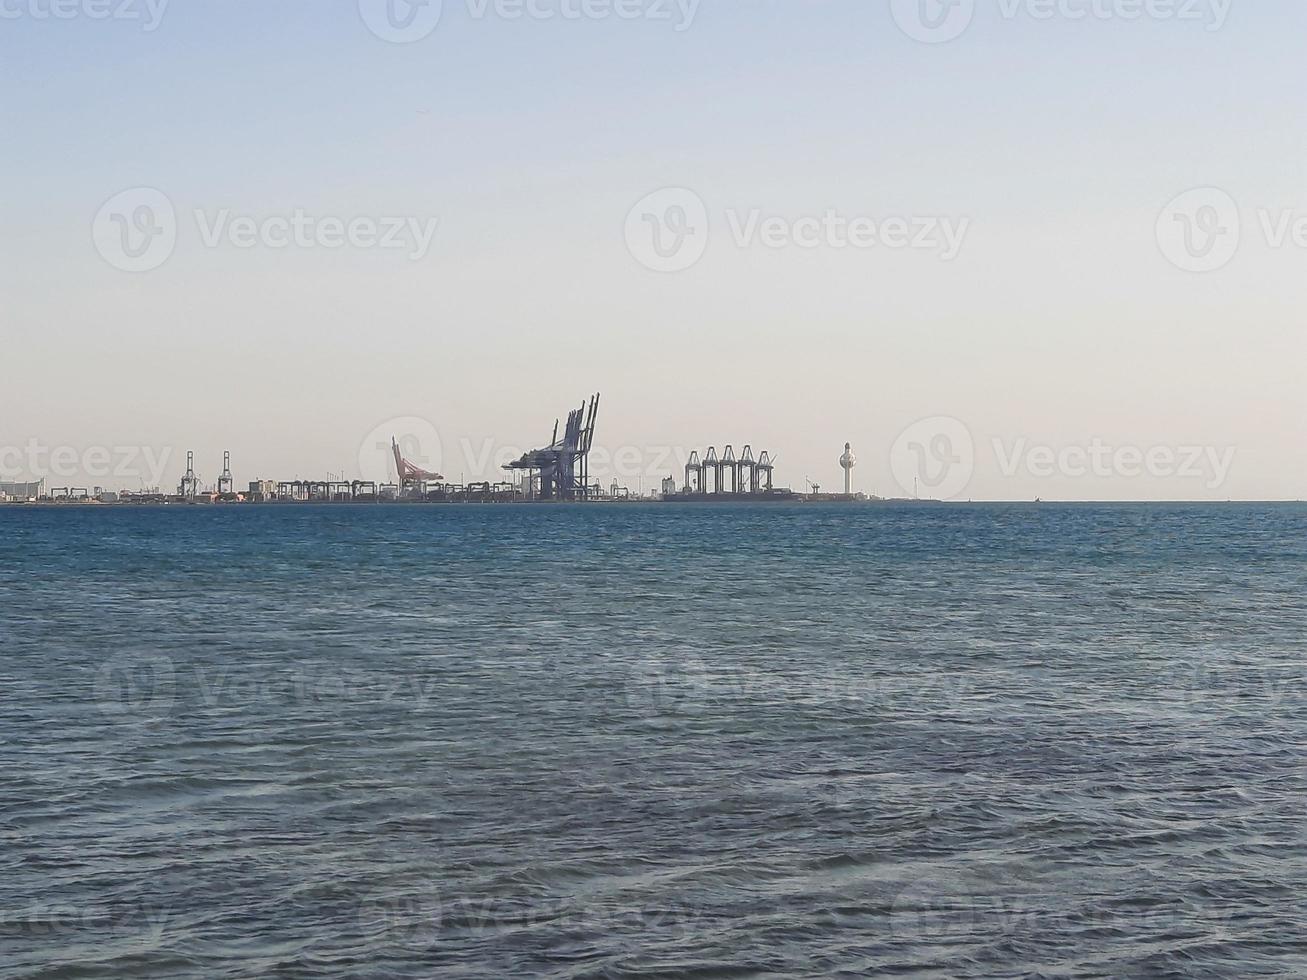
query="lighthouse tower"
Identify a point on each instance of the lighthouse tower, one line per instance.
(847, 462)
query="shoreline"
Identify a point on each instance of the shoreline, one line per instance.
(742, 500)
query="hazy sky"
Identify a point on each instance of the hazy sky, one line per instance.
(958, 252)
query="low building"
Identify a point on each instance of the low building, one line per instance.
(22, 491)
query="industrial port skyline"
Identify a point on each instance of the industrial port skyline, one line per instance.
(933, 459)
(404, 459)
(558, 471)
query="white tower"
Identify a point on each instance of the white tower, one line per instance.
(847, 462)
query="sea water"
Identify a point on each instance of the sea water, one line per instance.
(653, 740)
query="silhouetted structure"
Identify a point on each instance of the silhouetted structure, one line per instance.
(190, 484)
(727, 476)
(562, 469)
(410, 476)
(225, 481)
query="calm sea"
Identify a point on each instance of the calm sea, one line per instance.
(652, 741)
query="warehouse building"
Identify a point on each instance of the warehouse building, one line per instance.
(22, 491)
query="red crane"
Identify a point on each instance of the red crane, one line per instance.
(407, 472)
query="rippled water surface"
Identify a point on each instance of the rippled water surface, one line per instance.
(653, 741)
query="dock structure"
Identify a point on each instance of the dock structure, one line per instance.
(561, 470)
(190, 483)
(713, 477)
(225, 481)
(755, 475)
(728, 468)
(712, 468)
(693, 473)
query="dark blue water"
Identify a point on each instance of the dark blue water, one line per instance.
(653, 741)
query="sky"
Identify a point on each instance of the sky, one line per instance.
(1006, 248)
